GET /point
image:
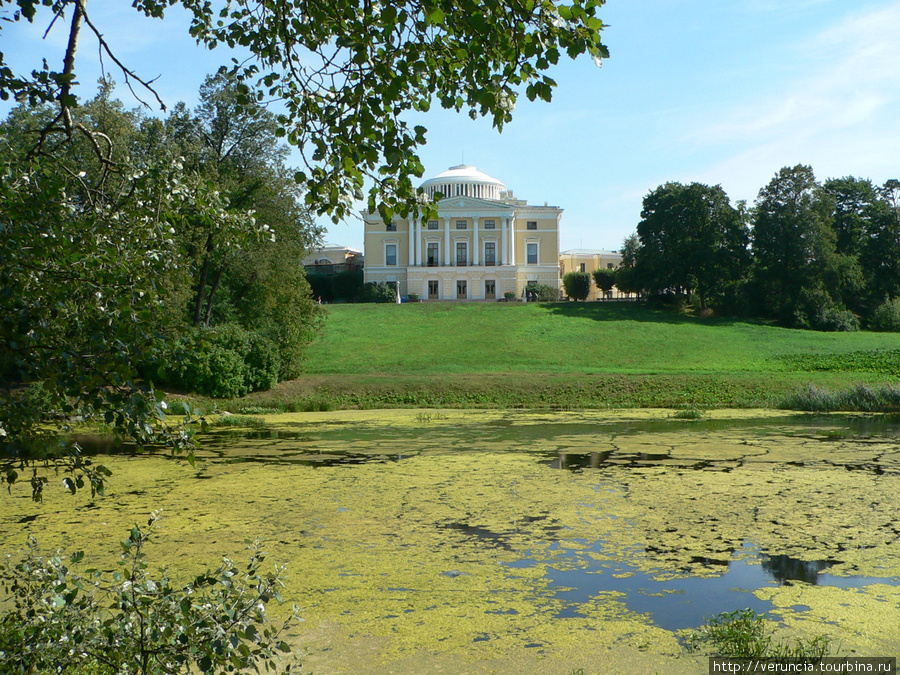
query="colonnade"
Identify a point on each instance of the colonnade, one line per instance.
(507, 240)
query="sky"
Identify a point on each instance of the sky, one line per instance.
(720, 92)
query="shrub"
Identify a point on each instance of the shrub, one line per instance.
(577, 285)
(378, 292)
(743, 634)
(886, 316)
(61, 620)
(509, 295)
(413, 297)
(604, 279)
(224, 362)
(545, 293)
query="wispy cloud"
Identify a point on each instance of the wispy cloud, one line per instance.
(850, 76)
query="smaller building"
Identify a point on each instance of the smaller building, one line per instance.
(333, 259)
(588, 260)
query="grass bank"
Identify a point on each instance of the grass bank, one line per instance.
(567, 355)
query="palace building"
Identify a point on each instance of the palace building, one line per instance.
(483, 244)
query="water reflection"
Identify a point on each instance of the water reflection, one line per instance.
(687, 601)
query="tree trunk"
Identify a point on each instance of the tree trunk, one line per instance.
(209, 300)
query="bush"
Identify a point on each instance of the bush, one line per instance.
(577, 285)
(64, 621)
(224, 362)
(743, 634)
(378, 292)
(886, 316)
(545, 293)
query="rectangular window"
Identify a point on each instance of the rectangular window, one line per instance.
(490, 253)
(532, 254)
(531, 225)
(432, 224)
(460, 224)
(610, 266)
(490, 224)
(433, 289)
(582, 267)
(432, 255)
(490, 289)
(461, 258)
(461, 293)
(392, 227)
(390, 254)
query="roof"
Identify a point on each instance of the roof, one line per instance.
(588, 251)
(465, 173)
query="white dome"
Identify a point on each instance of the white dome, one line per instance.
(464, 181)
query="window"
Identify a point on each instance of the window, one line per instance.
(460, 224)
(432, 254)
(610, 266)
(532, 250)
(390, 254)
(531, 225)
(392, 227)
(432, 289)
(432, 224)
(490, 253)
(490, 224)
(490, 289)
(582, 268)
(461, 258)
(461, 293)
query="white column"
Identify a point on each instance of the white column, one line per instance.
(447, 258)
(503, 248)
(475, 248)
(417, 241)
(512, 240)
(411, 251)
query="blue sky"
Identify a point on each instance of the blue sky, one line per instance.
(721, 92)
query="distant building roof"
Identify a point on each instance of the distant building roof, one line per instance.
(588, 251)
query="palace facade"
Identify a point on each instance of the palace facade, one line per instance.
(483, 244)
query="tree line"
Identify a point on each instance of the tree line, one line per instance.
(141, 251)
(807, 254)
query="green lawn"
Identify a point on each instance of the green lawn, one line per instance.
(568, 355)
(566, 338)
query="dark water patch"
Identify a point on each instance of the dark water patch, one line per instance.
(314, 460)
(686, 601)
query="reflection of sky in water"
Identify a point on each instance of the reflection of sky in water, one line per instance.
(684, 602)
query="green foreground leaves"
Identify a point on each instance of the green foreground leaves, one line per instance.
(132, 622)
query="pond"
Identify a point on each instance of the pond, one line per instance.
(514, 541)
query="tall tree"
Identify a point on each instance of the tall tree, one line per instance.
(880, 251)
(797, 267)
(691, 240)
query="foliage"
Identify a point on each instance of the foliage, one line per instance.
(378, 292)
(545, 293)
(886, 316)
(86, 246)
(743, 634)
(347, 72)
(342, 286)
(577, 285)
(604, 279)
(857, 398)
(794, 248)
(691, 240)
(224, 362)
(881, 361)
(131, 622)
(627, 279)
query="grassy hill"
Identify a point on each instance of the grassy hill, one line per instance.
(573, 355)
